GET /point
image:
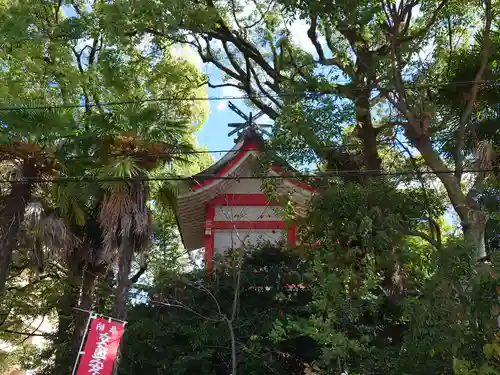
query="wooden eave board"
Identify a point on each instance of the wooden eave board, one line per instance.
(191, 207)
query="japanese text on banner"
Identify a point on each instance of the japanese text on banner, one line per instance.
(101, 347)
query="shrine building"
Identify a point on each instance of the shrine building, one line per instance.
(225, 206)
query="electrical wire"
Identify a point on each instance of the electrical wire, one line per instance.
(344, 146)
(338, 173)
(219, 98)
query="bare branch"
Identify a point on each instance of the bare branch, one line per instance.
(424, 236)
(434, 226)
(234, 359)
(138, 274)
(347, 69)
(311, 33)
(423, 31)
(29, 334)
(227, 84)
(56, 12)
(78, 57)
(262, 14)
(201, 287)
(259, 85)
(33, 332)
(77, 8)
(180, 305)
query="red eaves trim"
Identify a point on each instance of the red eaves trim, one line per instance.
(299, 184)
(209, 238)
(241, 153)
(241, 200)
(248, 225)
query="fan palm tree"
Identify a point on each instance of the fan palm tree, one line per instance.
(140, 138)
(61, 228)
(29, 146)
(64, 238)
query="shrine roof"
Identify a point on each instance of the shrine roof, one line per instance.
(249, 140)
(249, 137)
(240, 162)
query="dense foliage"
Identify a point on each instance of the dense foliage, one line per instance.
(394, 106)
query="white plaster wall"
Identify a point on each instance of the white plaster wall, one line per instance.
(226, 239)
(245, 186)
(248, 213)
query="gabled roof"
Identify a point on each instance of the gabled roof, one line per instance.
(206, 185)
(248, 138)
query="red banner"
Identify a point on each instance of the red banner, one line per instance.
(101, 347)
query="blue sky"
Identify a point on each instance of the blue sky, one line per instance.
(214, 133)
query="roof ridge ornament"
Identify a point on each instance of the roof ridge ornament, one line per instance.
(248, 125)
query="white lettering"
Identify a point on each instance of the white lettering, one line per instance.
(96, 365)
(104, 338)
(100, 352)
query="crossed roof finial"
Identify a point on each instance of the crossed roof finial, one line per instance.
(249, 123)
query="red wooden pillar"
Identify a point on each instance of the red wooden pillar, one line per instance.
(292, 235)
(209, 237)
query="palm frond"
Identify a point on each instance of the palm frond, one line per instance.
(485, 154)
(165, 194)
(119, 168)
(125, 214)
(50, 231)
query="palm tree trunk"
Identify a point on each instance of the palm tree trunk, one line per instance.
(86, 302)
(124, 268)
(64, 357)
(12, 218)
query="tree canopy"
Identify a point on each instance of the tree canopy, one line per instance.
(389, 108)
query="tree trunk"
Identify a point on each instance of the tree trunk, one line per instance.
(474, 228)
(12, 218)
(86, 302)
(123, 285)
(367, 133)
(65, 357)
(127, 249)
(472, 218)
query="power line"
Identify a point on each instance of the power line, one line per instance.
(219, 98)
(338, 173)
(343, 146)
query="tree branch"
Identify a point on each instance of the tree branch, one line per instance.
(24, 287)
(311, 33)
(421, 33)
(184, 307)
(464, 118)
(227, 84)
(415, 233)
(138, 274)
(432, 222)
(259, 85)
(29, 334)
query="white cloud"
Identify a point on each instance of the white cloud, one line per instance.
(265, 119)
(299, 36)
(227, 92)
(144, 46)
(188, 53)
(230, 91)
(221, 105)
